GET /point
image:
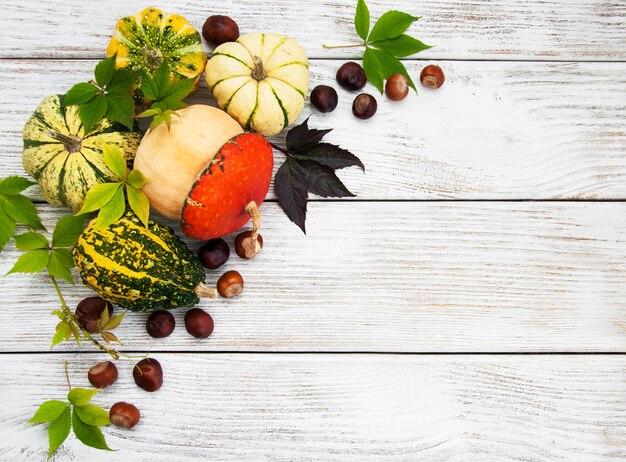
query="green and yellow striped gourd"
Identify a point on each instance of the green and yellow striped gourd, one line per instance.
(139, 268)
(146, 40)
(65, 160)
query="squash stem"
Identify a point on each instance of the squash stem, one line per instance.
(255, 213)
(258, 73)
(72, 143)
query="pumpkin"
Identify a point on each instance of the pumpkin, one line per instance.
(261, 80)
(65, 160)
(139, 268)
(146, 40)
(205, 172)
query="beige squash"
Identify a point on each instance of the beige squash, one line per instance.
(261, 80)
(171, 158)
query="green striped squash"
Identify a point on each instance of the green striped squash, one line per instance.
(146, 40)
(138, 268)
(65, 160)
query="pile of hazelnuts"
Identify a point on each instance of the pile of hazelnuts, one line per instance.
(351, 76)
(148, 373)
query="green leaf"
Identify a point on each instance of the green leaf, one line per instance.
(391, 65)
(112, 211)
(21, 210)
(401, 46)
(391, 24)
(63, 328)
(80, 94)
(67, 230)
(58, 430)
(92, 415)
(104, 319)
(149, 113)
(58, 338)
(161, 80)
(174, 105)
(31, 262)
(179, 89)
(98, 196)
(121, 108)
(92, 112)
(136, 179)
(88, 434)
(7, 227)
(114, 159)
(115, 321)
(138, 202)
(104, 71)
(57, 269)
(373, 69)
(31, 241)
(149, 87)
(64, 257)
(362, 19)
(48, 411)
(81, 396)
(14, 185)
(122, 81)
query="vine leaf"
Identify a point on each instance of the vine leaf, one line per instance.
(310, 167)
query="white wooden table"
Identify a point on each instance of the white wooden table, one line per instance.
(468, 304)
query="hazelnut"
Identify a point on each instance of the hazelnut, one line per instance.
(148, 374)
(102, 374)
(351, 76)
(432, 76)
(214, 253)
(220, 29)
(230, 284)
(160, 324)
(324, 98)
(246, 247)
(364, 106)
(198, 323)
(124, 415)
(397, 87)
(89, 310)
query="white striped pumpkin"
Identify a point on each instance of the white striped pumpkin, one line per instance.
(261, 80)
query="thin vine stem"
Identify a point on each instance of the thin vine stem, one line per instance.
(67, 376)
(72, 318)
(278, 148)
(354, 45)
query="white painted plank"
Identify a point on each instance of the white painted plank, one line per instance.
(337, 408)
(415, 277)
(500, 29)
(493, 131)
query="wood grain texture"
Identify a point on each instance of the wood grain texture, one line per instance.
(405, 277)
(500, 29)
(338, 408)
(493, 131)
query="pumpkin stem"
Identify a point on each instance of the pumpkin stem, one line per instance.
(255, 213)
(204, 291)
(72, 143)
(153, 57)
(258, 73)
